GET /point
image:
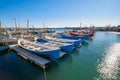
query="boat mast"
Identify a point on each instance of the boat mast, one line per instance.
(33, 34)
(27, 25)
(0, 27)
(44, 28)
(90, 25)
(1, 36)
(80, 25)
(15, 24)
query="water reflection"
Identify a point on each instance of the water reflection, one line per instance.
(109, 66)
(76, 52)
(67, 58)
(85, 44)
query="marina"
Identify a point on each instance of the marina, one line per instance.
(90, 56)
(59, 40)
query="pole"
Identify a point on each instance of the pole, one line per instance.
(45, 75)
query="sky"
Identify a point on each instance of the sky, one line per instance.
(60, 13)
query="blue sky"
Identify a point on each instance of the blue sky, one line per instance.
(60, 13)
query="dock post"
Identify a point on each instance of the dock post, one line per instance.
(9, 51)
(45, 76)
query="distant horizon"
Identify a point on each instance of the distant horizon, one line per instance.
(60, 13)
(54, 27)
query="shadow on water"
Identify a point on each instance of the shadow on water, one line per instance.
(58, 62)
(56, 65)
(67, 57)
(86, 44)
(4, 52)
(76, 52)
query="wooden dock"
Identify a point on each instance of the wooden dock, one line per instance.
(31, 57)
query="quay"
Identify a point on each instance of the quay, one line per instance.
(15, 40)
(8, 41)
(43, 63)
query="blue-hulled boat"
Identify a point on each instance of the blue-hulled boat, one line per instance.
(51, 52)
(63, 46)
(76, 43)
(82, 38)
(3, 47)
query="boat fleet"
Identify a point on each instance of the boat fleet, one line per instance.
(46, 45)
(53, 46)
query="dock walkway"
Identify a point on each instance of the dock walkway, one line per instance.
(32, 57)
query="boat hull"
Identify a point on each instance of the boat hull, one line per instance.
(65, 48)
(81, 34)
(68, 48)
(81, 38)
(91, 34)
(76, 43)
(53, 54)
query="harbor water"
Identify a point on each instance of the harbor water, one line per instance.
(98, 59)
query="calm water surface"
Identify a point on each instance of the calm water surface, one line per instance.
(99, 59)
